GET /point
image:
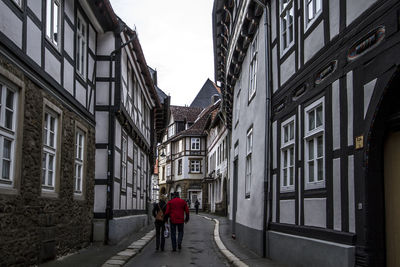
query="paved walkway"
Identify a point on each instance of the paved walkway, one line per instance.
(120, 254)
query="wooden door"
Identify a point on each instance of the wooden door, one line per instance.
(392, 199)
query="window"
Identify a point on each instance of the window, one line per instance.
(79, 161)
(314, 145)
(135, 170)
(168, 170)
(179, 167)
(237, 108)
(53, 15)
(287, 154)
(195, 166)
(8, 107)
(249, 151)
(253, 67)
(180, 146)
(49, 160)
(171, 130)
(124, 161)
(287, 19)
(141, 174)
(163, 174)
(195, 143)
(312, 9)
(81, 55)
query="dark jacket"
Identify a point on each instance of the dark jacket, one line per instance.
(156, 207)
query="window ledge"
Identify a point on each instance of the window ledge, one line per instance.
(49, 194)
(287, 189)
(314, 185)
(6, 190)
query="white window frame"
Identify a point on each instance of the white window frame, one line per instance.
(195, 166)
(249, 163)
(237, 107)
(288, 145)
(81, 46)
(50, 151)
(195, 143)
(8, 133)
(51, 33)
(79, 165)
(284, 13)
(313, 135)
(180, 167)
(124, 161)
(253, 67)
(316, 12)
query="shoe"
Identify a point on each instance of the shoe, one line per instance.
(157, 249)
(179, 246)
(174, 249)
(162, 249)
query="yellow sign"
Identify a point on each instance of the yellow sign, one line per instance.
(359, 142)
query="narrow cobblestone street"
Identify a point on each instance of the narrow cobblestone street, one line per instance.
(198, 248)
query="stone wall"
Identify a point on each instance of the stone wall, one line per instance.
(34, 228)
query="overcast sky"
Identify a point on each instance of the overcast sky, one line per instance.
(176, 38)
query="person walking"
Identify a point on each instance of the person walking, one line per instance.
(159, 210)
(196, 205)
(176, 209)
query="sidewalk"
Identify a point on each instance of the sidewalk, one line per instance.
(97, 254)
(244, 254)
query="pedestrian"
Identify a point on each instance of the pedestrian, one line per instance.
(176, 209)
(159, 210)
(196, 205)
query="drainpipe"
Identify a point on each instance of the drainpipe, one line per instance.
(267, 170)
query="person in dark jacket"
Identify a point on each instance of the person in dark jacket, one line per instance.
(176, 209)
(196, 205)
(159, 221)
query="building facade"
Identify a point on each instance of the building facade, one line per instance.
(126, 101)
(47, 127)
(217, 177)
(333, 124)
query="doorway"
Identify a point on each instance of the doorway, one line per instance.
(392, 198)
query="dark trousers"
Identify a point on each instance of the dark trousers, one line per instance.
(160, 228)
(197, 209)
(173, 234)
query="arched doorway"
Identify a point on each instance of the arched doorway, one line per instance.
(381, 212)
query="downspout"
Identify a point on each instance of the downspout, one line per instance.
(267, 149)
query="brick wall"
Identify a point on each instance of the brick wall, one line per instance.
(35, 228)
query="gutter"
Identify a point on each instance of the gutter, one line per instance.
(267, 150)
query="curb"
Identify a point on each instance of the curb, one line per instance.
(232, 259)
(131, 251)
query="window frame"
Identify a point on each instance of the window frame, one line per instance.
(50, 28)
(195, 163)
(196, 143)
(56, 112)
(309, 22)
(81, 39)
(314, 134)
(124, 161)
(248, 160)
(180, 165)
(284, 12)
(253, 66)
(82, 130)
(7, 133)
(286, 146)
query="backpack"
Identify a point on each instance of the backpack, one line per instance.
(160, 214)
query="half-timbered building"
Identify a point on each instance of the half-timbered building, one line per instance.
(126, 101)
(217, 178)
(47, 127)
(333, 124)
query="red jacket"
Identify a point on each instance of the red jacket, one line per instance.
(176, 208)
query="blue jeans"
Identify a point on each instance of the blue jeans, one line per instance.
(173, 234)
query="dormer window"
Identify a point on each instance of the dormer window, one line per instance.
(195, 144)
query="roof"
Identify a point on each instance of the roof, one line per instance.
(182, 113)
(199, 125)
(161, 95)
(203, 97)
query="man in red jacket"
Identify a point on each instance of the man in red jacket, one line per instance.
(176, 208)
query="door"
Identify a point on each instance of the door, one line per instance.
(392, 198)
(193, 200)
